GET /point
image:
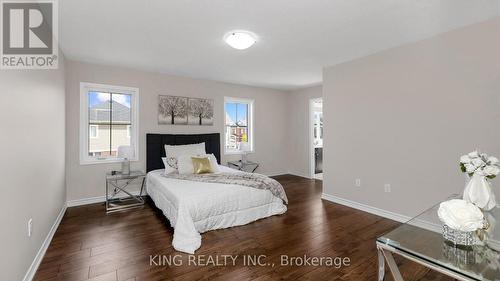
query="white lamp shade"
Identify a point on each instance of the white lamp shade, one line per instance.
(244, 146)
(126, 152)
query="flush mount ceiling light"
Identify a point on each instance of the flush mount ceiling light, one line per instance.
(240, 39)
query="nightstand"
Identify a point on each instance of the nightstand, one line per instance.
(117, 185)
(247, 166)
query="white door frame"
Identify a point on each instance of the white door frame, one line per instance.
(311, 136)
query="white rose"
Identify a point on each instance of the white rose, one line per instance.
(493, 160)
(473, 154)
(491, 170)
(461, 215)
(469, 168)
(477, 162)
(465, 159)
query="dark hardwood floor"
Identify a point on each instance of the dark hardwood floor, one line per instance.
(91, 245)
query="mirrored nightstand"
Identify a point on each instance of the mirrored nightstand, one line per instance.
(247, 166)
(117, 185)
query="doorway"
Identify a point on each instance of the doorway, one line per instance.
(316, 138)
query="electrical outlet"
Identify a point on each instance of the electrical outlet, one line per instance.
(357, 182)
(30, 227)
(387, 187)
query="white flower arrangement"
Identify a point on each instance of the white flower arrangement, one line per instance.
(461, 215)
(481, 163)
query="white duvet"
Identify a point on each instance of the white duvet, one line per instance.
(196, 207)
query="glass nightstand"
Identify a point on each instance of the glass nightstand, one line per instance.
(117, 185)
(421, 240)
(247, 166)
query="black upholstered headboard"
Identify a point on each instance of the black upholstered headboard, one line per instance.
(155, 146)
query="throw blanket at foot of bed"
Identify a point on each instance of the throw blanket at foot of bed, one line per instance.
(241, 178)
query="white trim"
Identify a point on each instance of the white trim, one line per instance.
(84, 131)
(276, 174)
(94, 200)
(86, 201)
(298, 174)
(45, 245)
(383, 213)
(366, 208)
(250, 124)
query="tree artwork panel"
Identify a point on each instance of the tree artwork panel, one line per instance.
(201, 111)
(172, 110)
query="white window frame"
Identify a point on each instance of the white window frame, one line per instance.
(85, 87)
(96, 131)
(250, 125)
(129, 131)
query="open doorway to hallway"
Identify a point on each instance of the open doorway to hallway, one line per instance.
(316, 138)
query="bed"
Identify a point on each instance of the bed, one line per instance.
(194, 207)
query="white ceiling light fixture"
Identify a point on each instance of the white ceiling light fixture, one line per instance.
(240, 39)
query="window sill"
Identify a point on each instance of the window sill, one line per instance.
(104, 161)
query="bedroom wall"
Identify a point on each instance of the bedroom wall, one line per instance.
(87, 181)
(298, 129)
(404, 117)
(32, 147)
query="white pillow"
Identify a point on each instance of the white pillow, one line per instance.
(213, 162)
(169, 168)
(172, 153)
(185, 163)
(188, 149)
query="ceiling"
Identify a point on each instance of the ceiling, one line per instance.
(296, 38)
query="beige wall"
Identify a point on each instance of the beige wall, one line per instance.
(32, 162)
(270, 119)
(404, 117)
(298, 129)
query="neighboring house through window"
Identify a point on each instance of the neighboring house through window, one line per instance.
(108, 119)
(238, 125)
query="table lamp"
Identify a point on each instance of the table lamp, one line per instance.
(245, 149)
(126, 152)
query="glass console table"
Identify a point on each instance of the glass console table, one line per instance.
(421, 240)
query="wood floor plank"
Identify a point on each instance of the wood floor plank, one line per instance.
(93, 245)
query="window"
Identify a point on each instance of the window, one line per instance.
(108, 119)
(238, 125)
(93, 131)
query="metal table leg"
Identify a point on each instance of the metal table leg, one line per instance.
(393, 267)
(381, 265)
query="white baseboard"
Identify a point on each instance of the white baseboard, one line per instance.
(299, 175)
(45, 245)
(366, 208)
(85, 201)
(431, 226)
(93, 200)
(276, 174)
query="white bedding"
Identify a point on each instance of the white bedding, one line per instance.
(196, 207)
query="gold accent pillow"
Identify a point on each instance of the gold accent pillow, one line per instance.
(201, 165)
